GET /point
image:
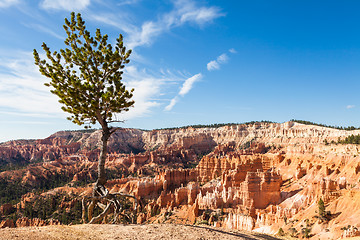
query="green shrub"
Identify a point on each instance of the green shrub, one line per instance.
(281, 232)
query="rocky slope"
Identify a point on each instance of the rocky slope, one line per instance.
(258, 177)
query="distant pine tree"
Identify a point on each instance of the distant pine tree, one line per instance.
(321, 208)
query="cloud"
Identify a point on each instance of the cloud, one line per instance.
(44, 29)
(222, 59)
(200, 16)
(25, 122)
(183, 12)
(127, 2)
(22, 89)
(144, 36)
(188, 84)
(232, 50)
(178, 17)
(23, 114)
(148, 88)
(8, 3)
(68, 5)
(350, 106)
(215, 64)
(172, 103)
(113, 20)
(186, 87)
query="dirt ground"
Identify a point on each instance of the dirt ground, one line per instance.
(133, 232)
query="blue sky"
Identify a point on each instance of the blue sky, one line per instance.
(193, 62)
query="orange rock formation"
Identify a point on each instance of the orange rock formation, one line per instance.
(259, 177)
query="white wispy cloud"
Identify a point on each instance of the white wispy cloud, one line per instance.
(184, 11)
(213, 65)
(22, 89)
(172, 103)
(42, 28)
(350, 106)
(232, 50)
(188, 84)
(127, 2)
(8, 3)
(144, 36)
(25, 122)
(148, 87)
(68, 5)
(222, 59)
(24, 114)
(114, 20)
(185, 88)
(188, 11)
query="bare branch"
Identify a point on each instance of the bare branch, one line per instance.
(102, 215)
(83, 215)
(114, 129)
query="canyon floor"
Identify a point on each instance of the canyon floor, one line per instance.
(134, 232)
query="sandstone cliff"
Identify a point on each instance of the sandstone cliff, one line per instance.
(202, 140)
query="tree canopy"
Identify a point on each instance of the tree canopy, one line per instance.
(87, 76)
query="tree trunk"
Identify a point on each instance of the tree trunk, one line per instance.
(101, 194)
(101, 165)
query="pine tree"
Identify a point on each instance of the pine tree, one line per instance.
(87, 78)
(321, 206)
